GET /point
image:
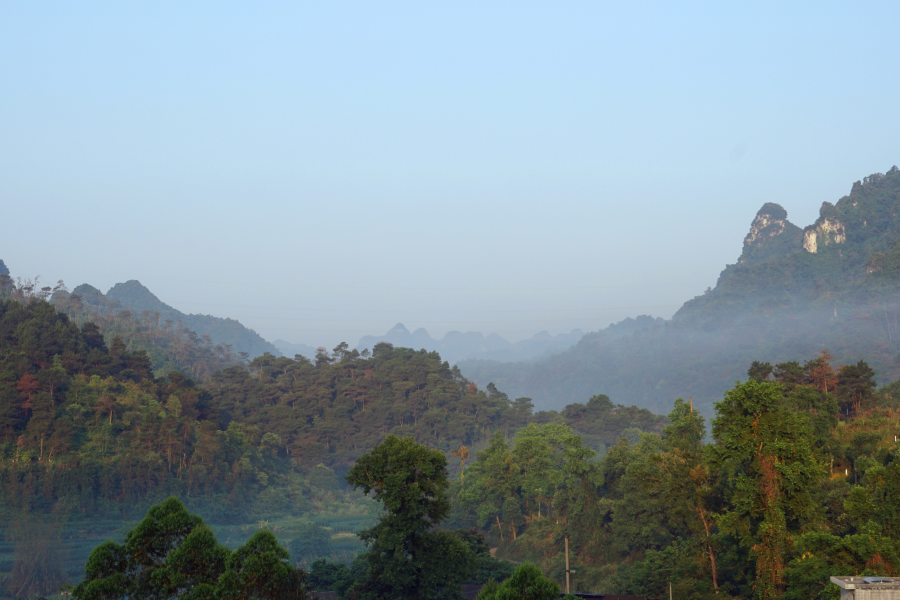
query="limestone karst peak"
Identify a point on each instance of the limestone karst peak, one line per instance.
(770, 234)
(399, 328)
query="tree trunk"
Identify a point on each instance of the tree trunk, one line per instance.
(712, 557)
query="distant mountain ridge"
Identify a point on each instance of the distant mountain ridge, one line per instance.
(828, 263)
(456, 346)
(290, 349)
(834, 284)
(134, 296)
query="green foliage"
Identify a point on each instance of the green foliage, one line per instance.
(407, 557)
(261, 569)
(170, 344)
(331, 412)
(83, 428)
(486, 567)
(819, 555)
(765, 455)
(329, 576)
(751, 514)
(526, 583)
(173, 554)
(507, 485)
(86, 429)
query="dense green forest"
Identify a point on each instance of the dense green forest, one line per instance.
(798, 482)
(792, 292)
(795, 481)
(92, 436)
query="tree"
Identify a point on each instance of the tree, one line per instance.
(526, 583)
(462, 453)
(690, 480)
(326, 576)
(407, 557)
(820, 373)
(856, 384)
(759, 371)
(765, 455)
(173, 554)
(261, 569)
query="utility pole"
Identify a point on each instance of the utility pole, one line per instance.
(567, 563)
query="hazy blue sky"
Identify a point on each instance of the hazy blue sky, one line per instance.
(322, 171)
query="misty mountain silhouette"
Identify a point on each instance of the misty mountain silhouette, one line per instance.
(792, 292)
(134, 296)
(291, 349)
(456, 346)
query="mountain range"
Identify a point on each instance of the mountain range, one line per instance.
(456, 346)
(793, 292)
(132, 295)
(291, 349)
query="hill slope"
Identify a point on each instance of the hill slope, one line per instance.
(834, 284)
(118, 438)
(137, 298)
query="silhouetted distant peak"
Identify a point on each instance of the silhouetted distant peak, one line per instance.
(292, 349)
(134, 295)
(89, 294)
(629, 326)
(3, 269)
(456, 345)
(772, 211)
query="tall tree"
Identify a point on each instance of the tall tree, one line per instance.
(173, 554)
(764, 452)
(407, 556)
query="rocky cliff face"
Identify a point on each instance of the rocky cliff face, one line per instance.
(771, 235)
(829, 231)
(784, 268)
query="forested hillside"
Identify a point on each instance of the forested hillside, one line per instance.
(92, 436)
(169, 346)
(87, 428)
(792, 292)
(799, 483)
(143, 305)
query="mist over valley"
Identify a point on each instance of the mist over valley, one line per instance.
(469, 301)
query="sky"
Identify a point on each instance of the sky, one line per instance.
(322, 171)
